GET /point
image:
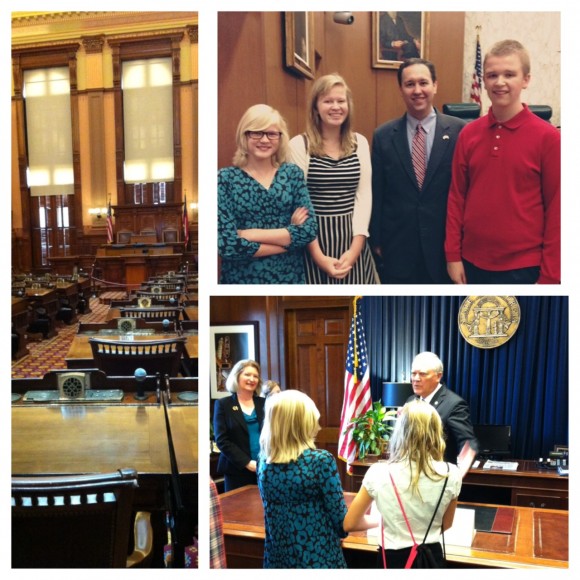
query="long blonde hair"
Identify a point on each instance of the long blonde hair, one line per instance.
(321, 87)
(418, 440)
(259, 118)
(290, 426)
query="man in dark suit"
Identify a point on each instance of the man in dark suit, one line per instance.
(407, 230)
(461, 443)
(396, 41)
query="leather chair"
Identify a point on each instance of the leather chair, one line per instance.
(121, 358)
(542, 111)
(467, 111)
(78, 521)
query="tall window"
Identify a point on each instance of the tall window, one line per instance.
(148, 117)
(50, 176)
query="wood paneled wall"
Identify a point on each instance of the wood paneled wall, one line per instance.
(251, 69)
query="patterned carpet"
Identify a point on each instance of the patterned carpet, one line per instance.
(46, 355)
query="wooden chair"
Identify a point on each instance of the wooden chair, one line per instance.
(124, 237)
(115, 324)
(165, 295)
(153, 313)
(121, 358)
(78, 521)
(171, 235)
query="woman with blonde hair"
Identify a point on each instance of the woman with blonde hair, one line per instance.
(337, 164)
(237, 422)
(415, 475)
(300, 487)
(265, 218)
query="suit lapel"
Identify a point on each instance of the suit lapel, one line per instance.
(237, 412)
(441, 142)
(401, 145)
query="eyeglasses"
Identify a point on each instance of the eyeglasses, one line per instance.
(257, 135)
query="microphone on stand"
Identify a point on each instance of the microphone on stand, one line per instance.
(140, 376)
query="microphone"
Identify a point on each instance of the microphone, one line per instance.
(140, 376)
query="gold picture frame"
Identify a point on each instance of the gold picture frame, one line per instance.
(299, 43)
(397, 36)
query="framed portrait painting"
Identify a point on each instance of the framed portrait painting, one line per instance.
(397, 36)
(229, 344)
(299, 43)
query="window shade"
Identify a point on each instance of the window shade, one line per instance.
(148, 117)
(49, 131)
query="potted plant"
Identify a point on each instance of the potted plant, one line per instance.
(371, 430)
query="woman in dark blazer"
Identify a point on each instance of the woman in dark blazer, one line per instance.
(237, 424)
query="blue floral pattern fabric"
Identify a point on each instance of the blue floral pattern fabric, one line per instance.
(304, 509)
(243, 203)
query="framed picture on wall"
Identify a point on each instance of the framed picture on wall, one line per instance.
(396, 37)
(299, 42)
(229, 344)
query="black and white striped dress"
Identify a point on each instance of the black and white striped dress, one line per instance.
(332, 184)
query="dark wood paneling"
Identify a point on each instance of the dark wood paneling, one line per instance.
(251, 69)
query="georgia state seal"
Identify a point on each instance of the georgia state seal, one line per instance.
(488, 321)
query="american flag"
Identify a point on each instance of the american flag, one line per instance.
(109, 224)
(357, 386)
(476, 82)
(185, 223)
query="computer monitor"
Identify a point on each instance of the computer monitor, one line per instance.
(396, 394)
(494, 440)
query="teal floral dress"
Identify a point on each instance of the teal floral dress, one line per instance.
(244, 203)
(304, 509)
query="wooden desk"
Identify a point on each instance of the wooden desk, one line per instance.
(183, 421)
(191, 313)
(20, 320)
(134, 269)
(68, 294)
(243, 526)
(526, 487)
(80, 354)
(64, 439)
(45, 298)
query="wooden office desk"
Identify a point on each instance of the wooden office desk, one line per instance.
(20, 321)
(526, 487)
(243, 526)
(61, 439)
(183, 421)
(80, 354)
(45, 298)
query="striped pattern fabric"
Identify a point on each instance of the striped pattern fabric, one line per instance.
(357, 386)
(419, 155)
(332, 185)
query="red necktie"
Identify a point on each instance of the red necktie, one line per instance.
(419, 155)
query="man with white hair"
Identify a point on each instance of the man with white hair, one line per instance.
(461, 443)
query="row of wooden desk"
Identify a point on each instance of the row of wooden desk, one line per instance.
(50, 300)
(539, 538)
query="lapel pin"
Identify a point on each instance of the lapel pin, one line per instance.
(235, 408)
(445, 137)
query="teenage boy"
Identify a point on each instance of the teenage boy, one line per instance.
(503, 212)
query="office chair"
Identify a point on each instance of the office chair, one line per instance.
(78, 521)
(467, 111)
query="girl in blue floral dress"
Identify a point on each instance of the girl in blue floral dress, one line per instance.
(265, 217)
(300, 486)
